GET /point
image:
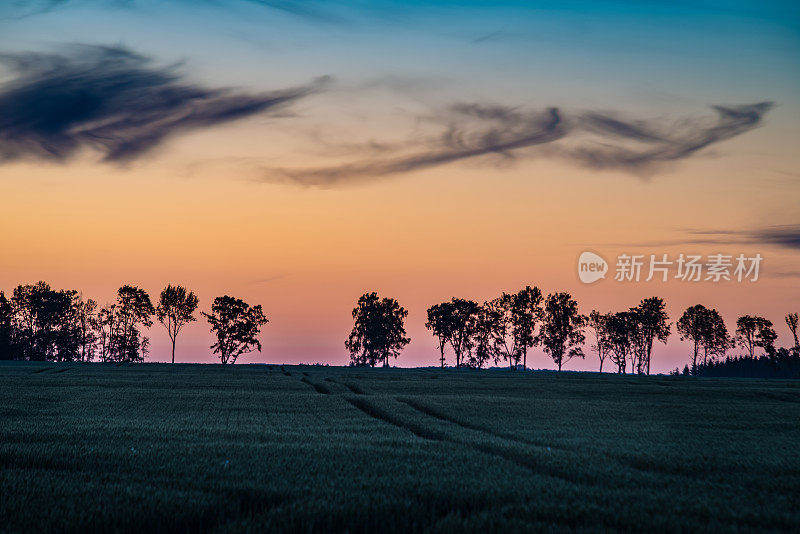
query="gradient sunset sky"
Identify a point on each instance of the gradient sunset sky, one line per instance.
(299, 154)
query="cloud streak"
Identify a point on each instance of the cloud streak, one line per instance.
(597, 140)
(782, 235)
(113, 100)
(785, 236)
(308, 9)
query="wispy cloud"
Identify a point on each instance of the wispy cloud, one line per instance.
(113, 100)
(311, 10)
(598, 140)
(783, 236)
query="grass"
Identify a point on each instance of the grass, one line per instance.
(155, 447)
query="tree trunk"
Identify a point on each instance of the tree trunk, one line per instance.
(173, 350)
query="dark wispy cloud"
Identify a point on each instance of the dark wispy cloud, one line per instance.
(504, 131)
(782, 235)
(785, 236)
(598, 140)
(312, 10)
(113, 100)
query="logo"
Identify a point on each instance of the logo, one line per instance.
(591, 267)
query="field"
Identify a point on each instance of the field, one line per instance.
(155, 447)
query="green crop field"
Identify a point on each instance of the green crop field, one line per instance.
(152, 447)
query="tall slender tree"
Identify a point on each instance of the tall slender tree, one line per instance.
(440, 323)
(620, 329)
(562, 328)
(6, 329)
(597, 322)
(716, 340)
(176, 307)
(651, 318)
(86, 327)
(464, 322)
(693, 325)
(526, 312)
(791, 322)
(134, 311)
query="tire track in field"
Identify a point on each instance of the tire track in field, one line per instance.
(319, 388)
(354, 388)
(382, 415)
(511, 453)
(436, 414)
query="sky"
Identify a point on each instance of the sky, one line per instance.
(299, 154)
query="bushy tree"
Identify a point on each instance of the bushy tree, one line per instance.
(651, 321)
(454, 323)
(716, 340)
(514, 317)
(378, 333)
(693, 326)
(754, 332)
(620, 330)
(176, 307)
(482, 338)
(132, 311)
(706, 329)
(86, 328)
(43, 322)
(562, 328)
(236, 326)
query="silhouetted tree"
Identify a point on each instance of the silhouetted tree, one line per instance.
(378, 333)
(134, 310)
(602, 344)
(706, 329)
(107, 331)
(440, 323)
(716, 340)
(562, 328)
(514, 318)
(43, 319)
(620, 328)
(175, 309)
(791, 322)
(464, 318)
(454, 322)
(651, 321)
(694, 325)
(6, 329)
(482, 338)
(526, 312)
(236, 325)
(783, 364)
(755, 332)
(86, 327)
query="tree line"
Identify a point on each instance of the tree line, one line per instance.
(39, 323)
(504, 329)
